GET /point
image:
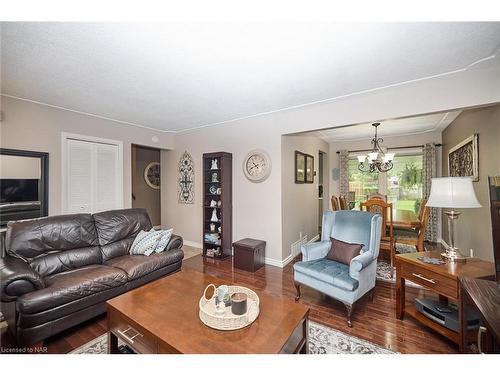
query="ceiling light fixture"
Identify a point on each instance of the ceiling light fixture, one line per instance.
(376, 160)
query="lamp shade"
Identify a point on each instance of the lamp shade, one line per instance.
(452, 192)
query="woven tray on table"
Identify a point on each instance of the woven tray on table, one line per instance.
(228, 321)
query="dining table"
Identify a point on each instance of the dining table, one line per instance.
(404, 219)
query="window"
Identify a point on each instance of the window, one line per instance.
(402, 184)
(92, 174)
(362, 184)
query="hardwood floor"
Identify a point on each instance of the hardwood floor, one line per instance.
(373, 321)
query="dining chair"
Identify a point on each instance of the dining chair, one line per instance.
(377, 195)
(335, 203)
(416, 236)
(343, 202)
(384, 209)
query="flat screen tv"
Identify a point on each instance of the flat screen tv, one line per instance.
(18, 190)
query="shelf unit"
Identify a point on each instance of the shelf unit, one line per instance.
(224, 210)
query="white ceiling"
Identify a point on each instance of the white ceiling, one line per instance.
(436, 122)
(178, 76)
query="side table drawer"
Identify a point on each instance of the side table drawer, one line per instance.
(443, 285)
(132, 335)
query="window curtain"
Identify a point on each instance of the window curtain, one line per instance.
(429, 171)
(344, 172)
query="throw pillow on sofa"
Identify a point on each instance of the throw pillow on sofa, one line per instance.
(343, 252)
(145, 242)
(164, 240)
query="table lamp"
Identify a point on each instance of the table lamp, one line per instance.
(451, 193)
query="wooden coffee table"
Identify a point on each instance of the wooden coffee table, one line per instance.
(162, 317)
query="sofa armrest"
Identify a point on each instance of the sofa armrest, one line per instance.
(175, 242)
(17, 278)
(361, 261)
(315, 250)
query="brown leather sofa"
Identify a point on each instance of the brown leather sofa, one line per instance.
(59, 271)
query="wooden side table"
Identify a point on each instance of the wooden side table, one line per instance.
(442, 279)
(249, 254)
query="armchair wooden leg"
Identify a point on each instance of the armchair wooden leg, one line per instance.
(371, 293)
(297, 287)
(349, 308)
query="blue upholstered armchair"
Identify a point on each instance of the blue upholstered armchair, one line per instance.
(346, 283)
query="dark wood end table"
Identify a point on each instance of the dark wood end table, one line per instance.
(442, 279)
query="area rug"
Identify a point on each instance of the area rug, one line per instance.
(322, 340)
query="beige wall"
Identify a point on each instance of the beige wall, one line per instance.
(145, 196)
(473, 228)
(299, 201)
(256, 206)
(34, 127)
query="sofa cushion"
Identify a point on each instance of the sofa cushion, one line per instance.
(145, 242)
(70, 286)
(117, 229)
(328, 271)
(164, 240)
(140, 265)
(32, 238)
(343, 252)
(54, 244)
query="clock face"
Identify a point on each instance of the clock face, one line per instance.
(152, 175)
(257, 166)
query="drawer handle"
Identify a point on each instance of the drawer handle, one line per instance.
(124, 335)
(424, 278)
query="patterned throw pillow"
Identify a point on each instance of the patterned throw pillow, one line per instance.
(145, 242)
(164, 240)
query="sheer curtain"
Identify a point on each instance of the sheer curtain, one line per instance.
(344, 172)
(429, 170)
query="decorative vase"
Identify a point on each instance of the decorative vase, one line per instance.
(214, 216)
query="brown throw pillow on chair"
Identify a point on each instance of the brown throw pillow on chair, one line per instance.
(343, 252)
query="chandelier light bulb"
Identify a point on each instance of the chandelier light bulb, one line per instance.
(361, 158)
(373, 155)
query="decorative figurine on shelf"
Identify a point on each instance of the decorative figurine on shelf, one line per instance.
(215, 177)
(219, 229)
(214, 164)
(214, 216)
(213, 203)
(212, 227)
(219, 191)
(219, 203)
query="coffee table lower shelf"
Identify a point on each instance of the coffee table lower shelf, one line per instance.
(446, 332)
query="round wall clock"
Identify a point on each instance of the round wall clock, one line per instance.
(257, 165)
(152, 175)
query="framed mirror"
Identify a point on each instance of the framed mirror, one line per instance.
(24, 184)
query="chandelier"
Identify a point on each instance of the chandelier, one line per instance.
(376, 160)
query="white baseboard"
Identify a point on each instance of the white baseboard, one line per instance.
(279, 263)
(194, 244)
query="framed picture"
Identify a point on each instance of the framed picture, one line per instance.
(463, 159)
(300, 167)
(309, 169)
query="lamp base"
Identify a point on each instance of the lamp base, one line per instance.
(453, 256)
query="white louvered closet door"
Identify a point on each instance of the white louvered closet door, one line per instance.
(79, 176)
(94, 176)
(106, 178)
